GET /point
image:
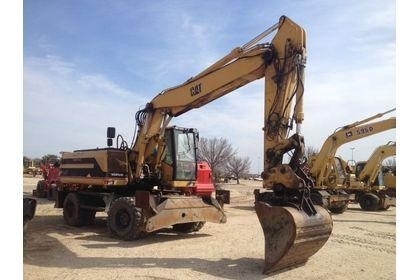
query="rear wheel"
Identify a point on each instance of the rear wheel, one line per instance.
(369, 202)
(71, 210)
(124, 219)
(188, 227)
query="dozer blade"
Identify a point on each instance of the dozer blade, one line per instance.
(291, 236)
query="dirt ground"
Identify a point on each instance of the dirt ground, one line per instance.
(362, 246)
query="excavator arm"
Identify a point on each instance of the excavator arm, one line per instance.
(281, 62)
(294, 228)
(321, 167)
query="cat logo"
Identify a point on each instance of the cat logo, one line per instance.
(194, 90)
(349, 134)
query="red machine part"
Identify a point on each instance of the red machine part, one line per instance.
(204, 183)
(51, 175)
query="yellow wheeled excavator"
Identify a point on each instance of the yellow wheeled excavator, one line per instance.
(368, 185)
(328, 170)
(151, 185)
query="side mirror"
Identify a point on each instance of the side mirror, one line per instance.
(110, 132)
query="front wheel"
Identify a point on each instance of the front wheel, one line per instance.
(124, 219)
(369, 202)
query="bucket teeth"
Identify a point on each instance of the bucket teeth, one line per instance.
(291, 236)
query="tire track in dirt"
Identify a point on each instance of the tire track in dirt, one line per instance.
(363, 243)
(382, 235)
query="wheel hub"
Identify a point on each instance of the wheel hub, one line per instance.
(122, 219)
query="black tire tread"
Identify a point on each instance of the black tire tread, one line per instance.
(369, 202)
(134, 231)
(76, 218)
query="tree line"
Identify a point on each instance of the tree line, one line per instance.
(37, 162)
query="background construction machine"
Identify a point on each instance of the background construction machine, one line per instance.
(328, 170)
(51, 177)
(367, 183)
(150, 185)
(31, 169)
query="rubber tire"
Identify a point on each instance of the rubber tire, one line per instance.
(124, 219)
(188, 227)
(72, 213)
(369, 202)
(339, 209)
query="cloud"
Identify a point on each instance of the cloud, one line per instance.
(65, 109)
(53, 64)
(99, 83)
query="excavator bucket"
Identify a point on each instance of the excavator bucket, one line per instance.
(291, 236)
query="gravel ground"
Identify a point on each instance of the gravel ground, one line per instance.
(362, 246)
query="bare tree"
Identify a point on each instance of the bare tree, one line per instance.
(217, 152)
(238, 167)
(36, 162)
(49, 158)
(311, 151)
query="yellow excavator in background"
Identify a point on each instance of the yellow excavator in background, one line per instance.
(368, 171)
(367, 183)
(151, 185)
(326, 168)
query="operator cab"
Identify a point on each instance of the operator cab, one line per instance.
(379, 180)
(180, 156)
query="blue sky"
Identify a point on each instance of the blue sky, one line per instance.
(91, 64)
